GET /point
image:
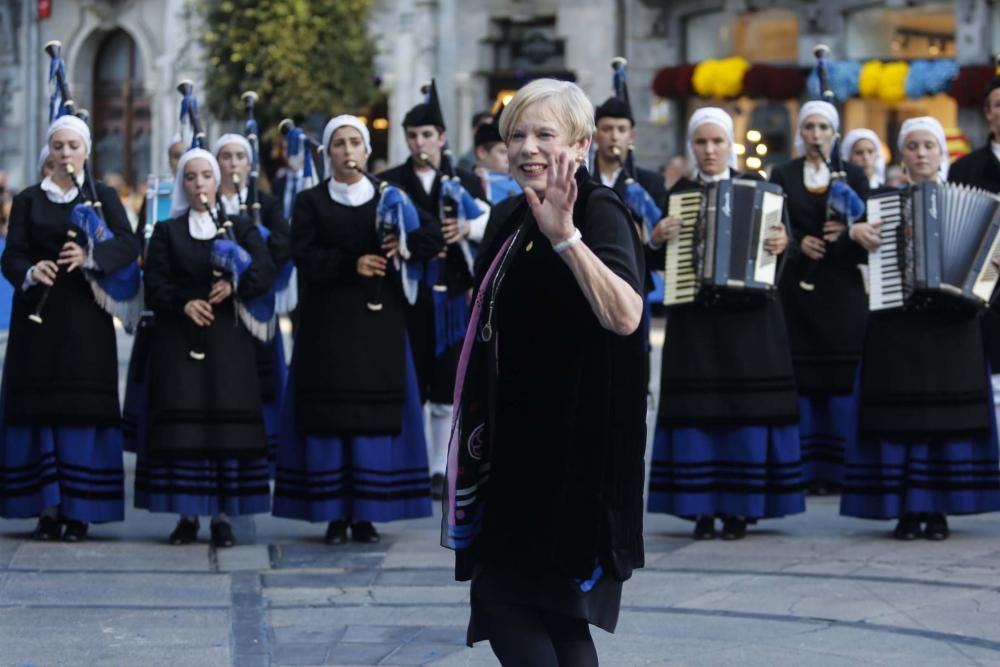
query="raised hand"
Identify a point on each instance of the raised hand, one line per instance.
(554, 214)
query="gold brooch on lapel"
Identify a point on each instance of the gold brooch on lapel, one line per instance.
(531, 244)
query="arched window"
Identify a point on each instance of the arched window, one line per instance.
(121, 119)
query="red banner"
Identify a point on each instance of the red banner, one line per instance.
(44, 9)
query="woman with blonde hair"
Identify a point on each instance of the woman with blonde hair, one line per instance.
(545, 468)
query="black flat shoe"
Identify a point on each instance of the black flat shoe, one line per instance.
(937, 527)
(734, 528)
(908, 528)
(437, 486)
(47, 529)
(76, 531)
(364, 531)
(222, 535)
(186, 532)
(704, 528)
(336, 532)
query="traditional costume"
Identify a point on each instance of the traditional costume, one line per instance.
(826, 325)
(60, 441)
(272, 369)
(727, 440)
(927, 442)
(204, 447)
(352, 445)
(436, 322)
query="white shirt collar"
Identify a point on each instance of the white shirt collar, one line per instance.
(815, 178)
(200, 225)
(705, 178)
(355, 194)
(231, 203)
(426, 179)
(996, 149)
(55, 193)
(610, 180)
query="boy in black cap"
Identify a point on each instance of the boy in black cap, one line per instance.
(441, 302)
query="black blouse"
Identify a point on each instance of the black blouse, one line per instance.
(64, 370)
(569, 405)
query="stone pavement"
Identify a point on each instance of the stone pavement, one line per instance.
(815, 589)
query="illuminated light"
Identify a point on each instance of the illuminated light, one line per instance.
(761, 149)
(763, 174)
(753, 162)
(380, 124)
(363, 119)
(754, 136)
(740, 149)
(506, 99)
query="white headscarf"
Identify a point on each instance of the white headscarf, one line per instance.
(715, 116)
(815, 108)
(933, 126)
(69, 122)
(232, 138)
(179, 202)
(42, 157)
(335, 124)
(853, 137)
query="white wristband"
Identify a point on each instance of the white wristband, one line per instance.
(573, 239)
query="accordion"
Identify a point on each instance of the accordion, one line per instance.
(721, 243)
(938, 241)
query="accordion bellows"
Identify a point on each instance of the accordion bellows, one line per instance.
(721, 244)
(938, 246)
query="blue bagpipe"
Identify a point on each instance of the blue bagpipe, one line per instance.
(841, 200)
(395, 216)
(639, 202)
(502, 186)
(118, 293)
(451, 311)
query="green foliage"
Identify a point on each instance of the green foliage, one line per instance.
(301, 56)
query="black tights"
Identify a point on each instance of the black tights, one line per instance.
(523, 636)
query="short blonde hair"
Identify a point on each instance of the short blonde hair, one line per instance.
(564, 98)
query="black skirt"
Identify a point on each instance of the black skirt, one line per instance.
(552, 593)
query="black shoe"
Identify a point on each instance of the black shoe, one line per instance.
(222, 534)
(937, 527)
(76, 531)
(364, 531)
(734, 528)
(336, 532)
(437, 486)
(47, 529)
(908, 528)
(186, 532)
(704, 528)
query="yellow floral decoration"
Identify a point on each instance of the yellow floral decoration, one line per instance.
(892, 85)
(869, 79)
(720, 78)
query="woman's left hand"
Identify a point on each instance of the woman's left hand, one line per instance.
(554, 215)
(71, 256)
(221, 290)
(777, 243)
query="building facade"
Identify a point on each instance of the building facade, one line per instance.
(125, 58)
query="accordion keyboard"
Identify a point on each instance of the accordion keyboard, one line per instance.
(680, 273)
(885, 277)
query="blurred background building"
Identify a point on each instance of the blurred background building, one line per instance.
(750, 56)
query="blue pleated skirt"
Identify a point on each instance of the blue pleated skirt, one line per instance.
(272, 408)
(362, 478)
(202, 486)
(827, 425)
(77, 468)
(753, 471)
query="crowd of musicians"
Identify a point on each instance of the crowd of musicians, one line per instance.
(394, 281)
